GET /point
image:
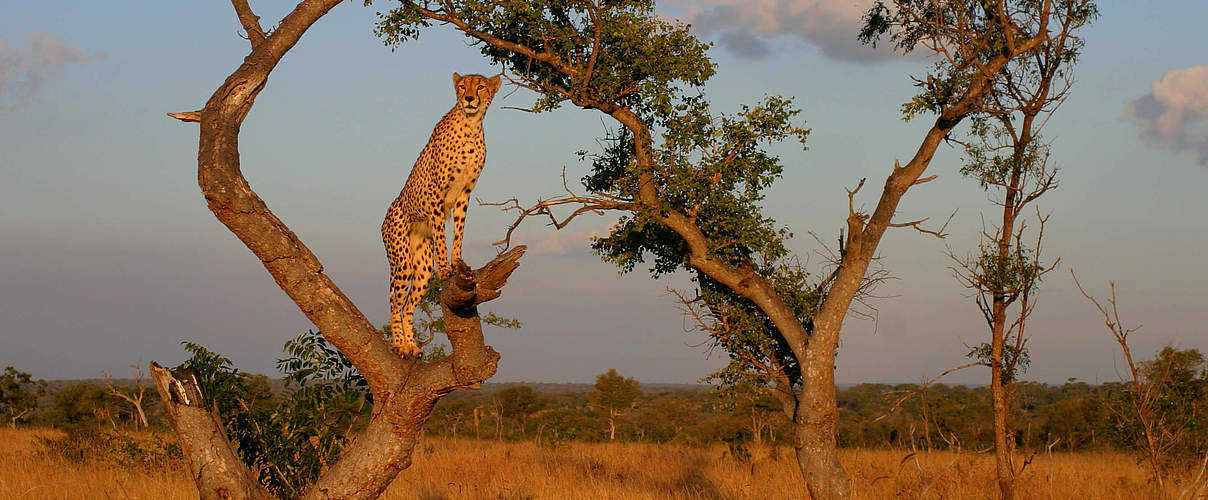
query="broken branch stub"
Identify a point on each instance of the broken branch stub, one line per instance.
(468, 288)
(213, 463)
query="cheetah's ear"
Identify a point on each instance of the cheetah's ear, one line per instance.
(456, 78)
(496, 81)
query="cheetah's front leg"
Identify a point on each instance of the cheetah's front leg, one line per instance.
(443, 269)
(459, 222)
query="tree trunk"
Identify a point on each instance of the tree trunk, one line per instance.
(404, 391)
(12, 422)
(755, 428)
(477, 431)
(1003, 443)
(213, 463)
(815, 426)
(142, 417)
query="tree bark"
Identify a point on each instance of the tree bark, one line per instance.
(1003, 438)
(213, 463)
(404, 391)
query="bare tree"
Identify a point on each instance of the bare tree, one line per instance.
(404, 391)
(1144, 397)
(133, 396)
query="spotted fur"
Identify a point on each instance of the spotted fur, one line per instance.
(440, 183)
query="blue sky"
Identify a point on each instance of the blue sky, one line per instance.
(108, 255)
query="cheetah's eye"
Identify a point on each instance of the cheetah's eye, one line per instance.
(480, 87)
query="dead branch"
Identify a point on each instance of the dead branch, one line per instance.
(1197, 487)
(938, 233)
(1142, 404)
(215, 467)
(897, 405)
(187, 116)
(595, 203)
(135, 399)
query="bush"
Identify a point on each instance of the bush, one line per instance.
(85, 444)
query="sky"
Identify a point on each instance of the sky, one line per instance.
(109, 256)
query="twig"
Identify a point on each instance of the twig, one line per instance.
(250, 22)
(909, 394)
(938, 233)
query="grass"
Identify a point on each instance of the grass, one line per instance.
(468, 469)
(445, 468)
(28, 473)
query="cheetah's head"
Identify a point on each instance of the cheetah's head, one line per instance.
(474, 92)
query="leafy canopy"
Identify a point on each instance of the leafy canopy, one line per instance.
(614, 393)
(967, 35)
(18, 392)
(616, 51)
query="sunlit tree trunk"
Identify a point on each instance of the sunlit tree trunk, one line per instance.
(404, 390)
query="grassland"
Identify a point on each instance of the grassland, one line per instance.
(469, 469)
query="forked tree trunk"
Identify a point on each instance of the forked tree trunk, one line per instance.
(404, 391)
(384, 448)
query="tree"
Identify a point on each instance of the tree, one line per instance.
(451, 413)
(666, 417)
(755, 402)
(1009, 160)
(1142, 396)
(404, 391)
(19, 395)
(614, 396)
(564, 423)
(133, 396)
(81, 405)
(520, 402)
(1178, 379)
(690, 199)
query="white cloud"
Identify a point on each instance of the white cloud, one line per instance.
(1175, 112)
(746, 27)
(558, 242)
(23, 70)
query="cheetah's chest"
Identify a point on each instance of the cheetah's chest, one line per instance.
(460, 179)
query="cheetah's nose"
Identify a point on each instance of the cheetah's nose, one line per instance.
(469, 98)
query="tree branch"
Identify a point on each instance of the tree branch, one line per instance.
(897, 405)
(250, 22)
(545, 57)
(213, 463)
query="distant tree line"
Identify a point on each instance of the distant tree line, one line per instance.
(290, 428)
(1074, 416)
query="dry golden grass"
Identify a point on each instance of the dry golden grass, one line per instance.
(468, 469)
(26, 473)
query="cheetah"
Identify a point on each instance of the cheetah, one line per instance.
(440, 181)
